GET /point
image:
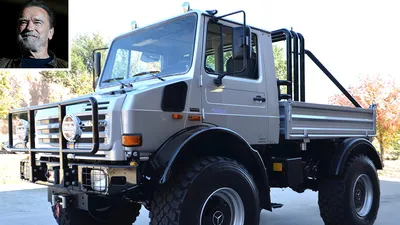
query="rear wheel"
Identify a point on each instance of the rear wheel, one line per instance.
(352, 199)
(214, 191)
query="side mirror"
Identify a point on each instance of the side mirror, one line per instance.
(241, 50)
(96, 68)
(97, 63)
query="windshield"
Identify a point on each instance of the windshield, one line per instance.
(157, 51)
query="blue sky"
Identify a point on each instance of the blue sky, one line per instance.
(350, 38)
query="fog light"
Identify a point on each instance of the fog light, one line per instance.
(98, 180)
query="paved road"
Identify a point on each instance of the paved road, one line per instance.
(30, 207)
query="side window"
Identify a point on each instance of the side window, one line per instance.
(219, 52)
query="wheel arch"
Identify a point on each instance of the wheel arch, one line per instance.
(192, 143)
(350, 147)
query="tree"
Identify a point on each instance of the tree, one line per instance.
(82, 49)
(280, 63)
(10, 96)
(79, 79)
(385, 93)
(78, 83)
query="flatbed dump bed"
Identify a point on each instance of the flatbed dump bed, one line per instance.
(300, 120)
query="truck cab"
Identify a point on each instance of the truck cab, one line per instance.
(190, 53)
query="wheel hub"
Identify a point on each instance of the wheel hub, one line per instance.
(218, 218)
(217, 212)
(223, 207)
(363, 195)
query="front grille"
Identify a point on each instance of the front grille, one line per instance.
(101, 106)
(47, 131)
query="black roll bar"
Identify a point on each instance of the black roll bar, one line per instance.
(280, 35)
(295, 57)
(332, 78)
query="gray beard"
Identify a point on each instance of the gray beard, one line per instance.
(30, 43)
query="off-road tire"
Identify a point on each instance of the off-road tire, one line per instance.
(181, 199)
(73, 216)
(336, 196)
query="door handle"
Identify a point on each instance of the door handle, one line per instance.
(259, 99)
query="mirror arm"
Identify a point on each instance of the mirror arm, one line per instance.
(216, 18)
(218, 80)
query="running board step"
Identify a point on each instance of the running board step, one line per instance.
(276, 205)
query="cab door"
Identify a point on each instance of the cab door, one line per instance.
(240, 103)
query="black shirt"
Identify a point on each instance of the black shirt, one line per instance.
(35, 63)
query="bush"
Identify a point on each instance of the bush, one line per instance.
(392, 155)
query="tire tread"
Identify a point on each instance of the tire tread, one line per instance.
(332, 193)
(168, 199)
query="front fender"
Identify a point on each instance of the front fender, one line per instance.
(191, 143)
(168, 151)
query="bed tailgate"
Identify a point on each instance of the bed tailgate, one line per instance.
(299, 120)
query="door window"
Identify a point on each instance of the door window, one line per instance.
(219, 52)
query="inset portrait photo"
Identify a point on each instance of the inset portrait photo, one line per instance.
(34, 34)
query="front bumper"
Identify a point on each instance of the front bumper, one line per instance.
(81, 178)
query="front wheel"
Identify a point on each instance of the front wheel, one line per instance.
(213, 191)
(114, 216)
(354, 198)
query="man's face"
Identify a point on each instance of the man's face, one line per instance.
(34, 29)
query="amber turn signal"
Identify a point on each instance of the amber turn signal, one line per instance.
(195, 118)
(131, 140)
(177, 116)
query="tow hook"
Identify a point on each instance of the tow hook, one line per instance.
(59, 200)
(58, 210)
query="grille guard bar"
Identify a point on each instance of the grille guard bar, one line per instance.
(62, 141)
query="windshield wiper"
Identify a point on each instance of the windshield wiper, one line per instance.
(118, 80)
(151, 72)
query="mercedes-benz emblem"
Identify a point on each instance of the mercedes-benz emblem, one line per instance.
(218, 218)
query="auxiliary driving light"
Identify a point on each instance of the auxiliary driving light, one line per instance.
(71, 128)
(22, 130)
(98, 180)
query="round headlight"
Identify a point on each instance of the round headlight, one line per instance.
(71, 128)
(22, 130)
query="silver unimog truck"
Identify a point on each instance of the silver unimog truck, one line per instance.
(189, 120)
